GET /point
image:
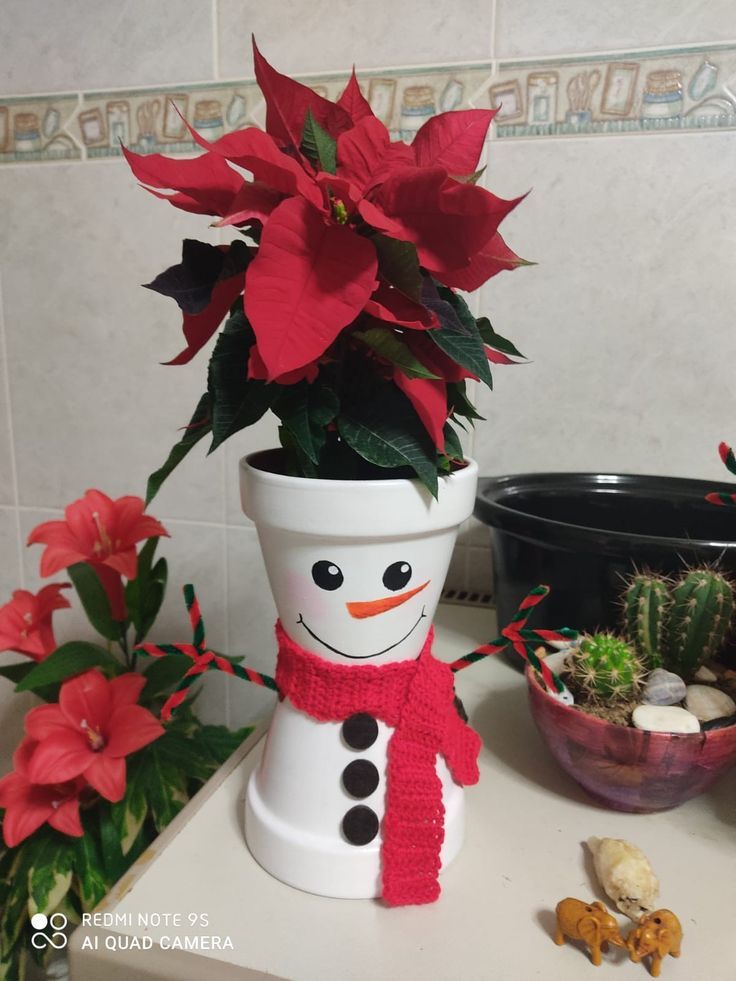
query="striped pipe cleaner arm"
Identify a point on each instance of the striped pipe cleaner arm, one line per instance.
(203, 658)
(729, 460)
(523, 640)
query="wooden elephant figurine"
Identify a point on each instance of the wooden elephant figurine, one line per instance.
(657, 934)
(589, 922)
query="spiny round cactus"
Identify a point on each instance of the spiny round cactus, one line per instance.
(606, 667)
(699, 620)
(646, 603)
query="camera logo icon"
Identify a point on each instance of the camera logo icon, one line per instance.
(57, 922)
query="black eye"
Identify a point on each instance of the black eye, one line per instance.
(327, 575)
(397, 575)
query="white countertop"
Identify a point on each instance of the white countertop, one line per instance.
(526, 824)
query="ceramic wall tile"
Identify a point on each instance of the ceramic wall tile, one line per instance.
(91, 404)
(153, 120)
(35, 128)
(627, 318)
(10, 571)
(76, 45)
(334, 37)
(457, 574)
(251, 616)
(7, 486)
(479, 574)
(532, 27)
(651, 92)
(262, 436)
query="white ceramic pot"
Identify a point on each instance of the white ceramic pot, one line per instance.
(356, 569)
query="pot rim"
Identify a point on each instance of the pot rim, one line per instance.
(709, 735)
(496, 514)
(353, 509)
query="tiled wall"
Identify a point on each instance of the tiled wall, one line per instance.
(620, 118)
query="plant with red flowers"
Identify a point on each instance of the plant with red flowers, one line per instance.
(97, 776)
(344, 316)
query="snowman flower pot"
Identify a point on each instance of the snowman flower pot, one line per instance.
(359, 790)
(340, 293)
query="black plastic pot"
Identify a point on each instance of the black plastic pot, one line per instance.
(583, 533)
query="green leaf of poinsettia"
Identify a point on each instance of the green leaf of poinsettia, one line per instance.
(465, 348)
(236, 401)
(386, 343)
(398, 262)
(459, 403)
(305, 410)
(453, 446)
(199, 425)
(318, 145)
(388, 433)
(494, 340)
(94, 599)
(68, 660)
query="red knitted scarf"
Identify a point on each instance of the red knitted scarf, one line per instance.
(415, 698)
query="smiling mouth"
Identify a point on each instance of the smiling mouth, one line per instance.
(360, 657)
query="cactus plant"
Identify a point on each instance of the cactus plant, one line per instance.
(606, 668)
(699, 620)
(646, 602)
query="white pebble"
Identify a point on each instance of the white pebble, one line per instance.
(664, 718)
(708, 703)
(705, 674)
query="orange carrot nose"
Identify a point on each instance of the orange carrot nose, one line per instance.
(373, 607)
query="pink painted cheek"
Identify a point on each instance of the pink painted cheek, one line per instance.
(301, 594)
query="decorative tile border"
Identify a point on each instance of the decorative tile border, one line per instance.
(683, 88)
(649, 91)
(34, 128)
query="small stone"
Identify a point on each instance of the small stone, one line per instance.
(708, 703)
(705, 674)
(664, 718)
(663, 688)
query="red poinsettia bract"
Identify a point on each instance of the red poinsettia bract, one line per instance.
(25, 622)
(95, 725)
(28, 805)
(324, 217)
(102, 532)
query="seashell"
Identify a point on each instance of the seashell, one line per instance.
(663, 688)
(664, 718)
(626, 875)
(708, 703)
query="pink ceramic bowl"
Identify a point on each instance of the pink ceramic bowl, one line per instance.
(624, 768)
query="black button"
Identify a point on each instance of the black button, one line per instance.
(360, 778)
(360, 731)
(360, 825)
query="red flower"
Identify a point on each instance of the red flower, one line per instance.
(25, 622)
(317, 267)
(104, 533)
(29, 805)
(90, 732)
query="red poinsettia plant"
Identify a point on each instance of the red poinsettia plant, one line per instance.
(103, 765)
(344, 315)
